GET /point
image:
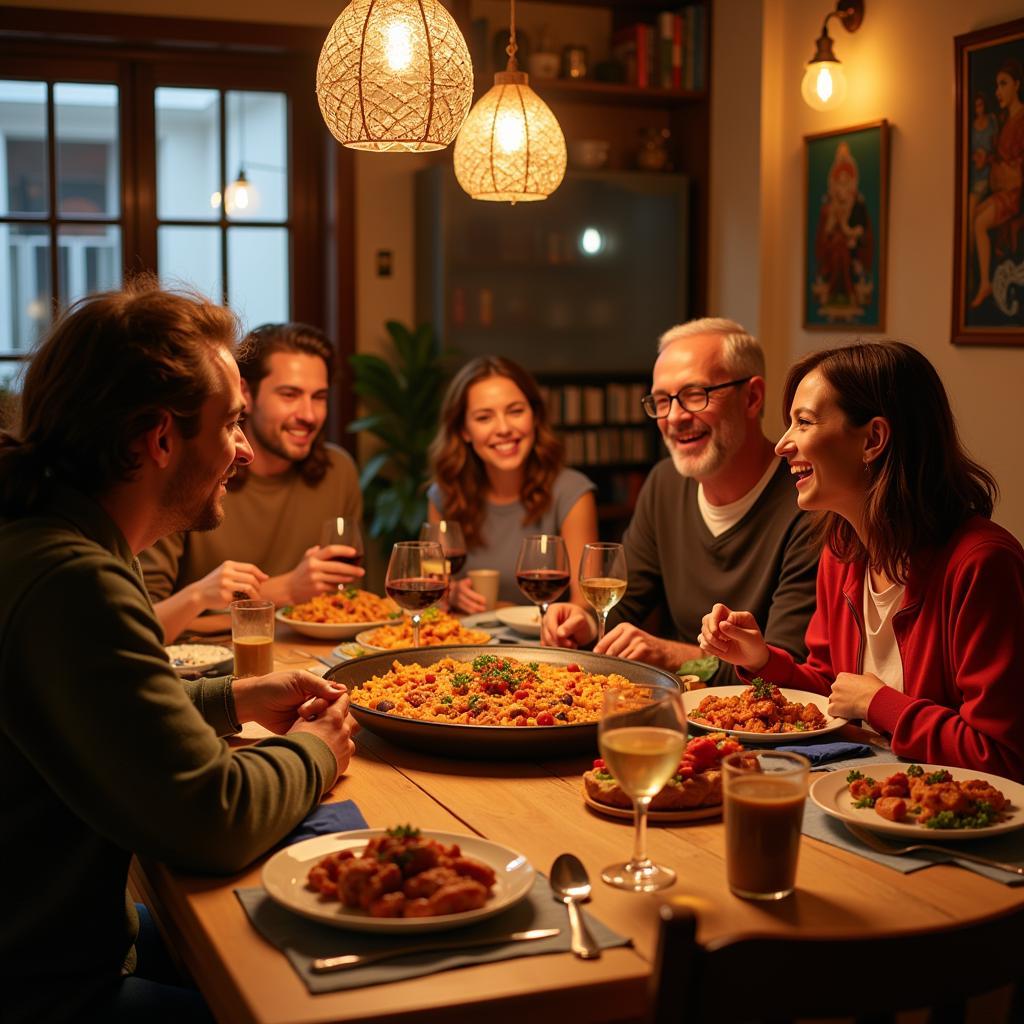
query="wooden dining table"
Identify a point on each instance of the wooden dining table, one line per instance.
(535, 807)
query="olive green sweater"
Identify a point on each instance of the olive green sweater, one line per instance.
(104, 753)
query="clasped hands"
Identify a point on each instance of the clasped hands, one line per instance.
(736, 638)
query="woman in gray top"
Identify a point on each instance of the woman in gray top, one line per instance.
(499, 472)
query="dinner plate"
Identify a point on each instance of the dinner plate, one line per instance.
(328, 630)
(189, 658)
(666, 817)
(830, 793)
(486, 742)
(692, 699)
(284, 878)
(523, 618)
(363, 639)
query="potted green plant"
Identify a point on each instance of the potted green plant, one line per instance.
(403, 400)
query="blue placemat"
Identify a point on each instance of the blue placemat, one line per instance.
(825, 753)
(327, 818)
(302, 940)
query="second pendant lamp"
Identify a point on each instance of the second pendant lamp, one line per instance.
(511, 148)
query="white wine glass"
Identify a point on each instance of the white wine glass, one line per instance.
(416, 579)
(603, 579)
(641, 734)
(542, 569)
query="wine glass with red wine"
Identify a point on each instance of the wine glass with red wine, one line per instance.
(542, 570)
(416, 579)
(343, 530)
(448, 534)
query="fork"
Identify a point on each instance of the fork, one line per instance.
(872, 840)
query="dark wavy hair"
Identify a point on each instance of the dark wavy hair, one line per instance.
(254, 364)
(459, 471)
(924, 484)
(103, 375)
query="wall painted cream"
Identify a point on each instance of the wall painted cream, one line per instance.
(900, 66)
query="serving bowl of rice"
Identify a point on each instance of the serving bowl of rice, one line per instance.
(437, 629)
(339, 615)
(486, 702)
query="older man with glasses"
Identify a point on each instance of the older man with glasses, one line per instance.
(716, 521)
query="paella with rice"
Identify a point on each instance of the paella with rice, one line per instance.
(490, 690)
(345, 606)
(437, 628)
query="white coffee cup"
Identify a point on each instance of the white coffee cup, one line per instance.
(486, 583)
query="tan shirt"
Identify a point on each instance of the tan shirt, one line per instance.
(881, 652)
(270, 521)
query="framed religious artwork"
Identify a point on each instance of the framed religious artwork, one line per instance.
(988, 260)
(846, 203)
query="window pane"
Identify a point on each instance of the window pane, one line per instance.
(88, 181)
(191, 256)
(88, 260)
(258, 274)
(188, 181)
(257, 143)
(23, 148)
(25, 289)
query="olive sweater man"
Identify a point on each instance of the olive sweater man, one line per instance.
(104, 753)
(270, 521)
(765, 564)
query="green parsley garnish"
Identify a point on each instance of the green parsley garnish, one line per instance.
(474, 700)
(446, 699)
(865, 801)
(404, 832)
(461, 681)
(350, 593)
(762, 690)
(914, 770)
(936, 777)
(483, 661)
(533, 665)
(853, 776)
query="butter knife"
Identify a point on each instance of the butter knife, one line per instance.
(340, 963)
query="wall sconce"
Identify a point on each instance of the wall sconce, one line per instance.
(824, 84)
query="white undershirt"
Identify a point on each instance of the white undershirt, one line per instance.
(881, 653)
(718, 518)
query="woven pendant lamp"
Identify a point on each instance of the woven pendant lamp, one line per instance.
(394, 75)
(511, 148)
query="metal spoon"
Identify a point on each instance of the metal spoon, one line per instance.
(571, 885)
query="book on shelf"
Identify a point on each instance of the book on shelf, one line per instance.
(667, 54)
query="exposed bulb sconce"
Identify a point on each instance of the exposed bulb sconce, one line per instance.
(394, 76)
(239, 195)
(824, 84)
(511, 148)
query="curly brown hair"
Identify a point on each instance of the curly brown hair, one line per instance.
(458, 470)
(254, 364)
(107, 370)
(924, 484)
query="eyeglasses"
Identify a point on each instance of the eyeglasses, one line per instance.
(693, 399)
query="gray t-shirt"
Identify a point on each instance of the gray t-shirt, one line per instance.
(504, 529)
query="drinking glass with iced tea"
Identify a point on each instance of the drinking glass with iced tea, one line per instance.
(252, 636)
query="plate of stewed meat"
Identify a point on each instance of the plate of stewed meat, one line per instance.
(400, 879)
(761, 712)
(922, 800)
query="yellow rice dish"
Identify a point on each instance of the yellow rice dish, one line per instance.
(436, 628)
(490, 690)
(344, 606)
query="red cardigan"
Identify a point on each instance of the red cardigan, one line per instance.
(960, 632)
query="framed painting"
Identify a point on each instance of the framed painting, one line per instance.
(988, 261)
(846, 204)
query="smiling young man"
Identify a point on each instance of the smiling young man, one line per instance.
(267, 545)
(129, 427)
(718, 517)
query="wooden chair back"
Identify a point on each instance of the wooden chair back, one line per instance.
(773, 978)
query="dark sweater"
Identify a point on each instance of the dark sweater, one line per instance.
(103, 753)
(765, 564)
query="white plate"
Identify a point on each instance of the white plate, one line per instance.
(523, 618)
(284, 878)
(199, 657)
(692, 698)
(328, 630)
(831, 794)
(667, 817)
(363, 639)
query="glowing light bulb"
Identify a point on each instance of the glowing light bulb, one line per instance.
(510, 132)
(215, 200)
(824, 85)
(240, 195)
(591, 241)
(397, 45)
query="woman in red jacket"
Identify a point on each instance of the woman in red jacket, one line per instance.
(919, 627)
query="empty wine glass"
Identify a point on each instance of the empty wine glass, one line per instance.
(448, 534)
(641, 735)
(416, 579)
(343, 530)
(542, 569)
(603, 579)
